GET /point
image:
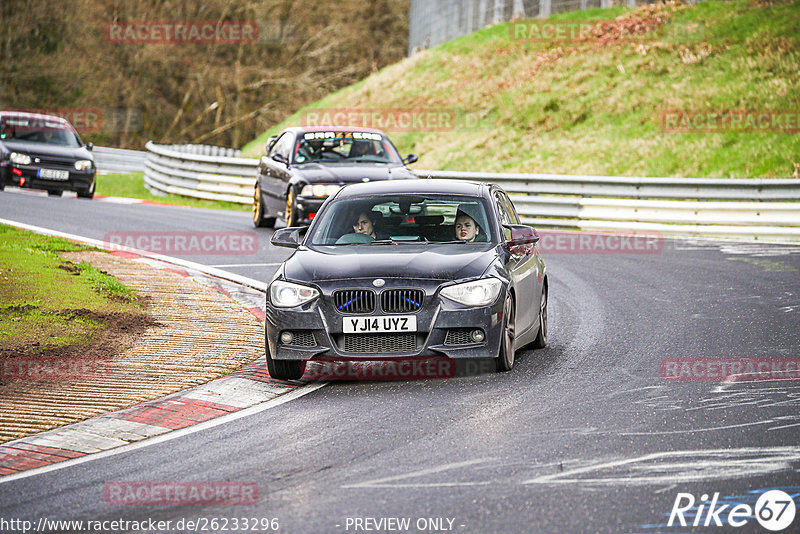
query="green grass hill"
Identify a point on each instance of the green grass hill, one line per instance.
(643, 92)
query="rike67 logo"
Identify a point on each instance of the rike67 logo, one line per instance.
(774, 510)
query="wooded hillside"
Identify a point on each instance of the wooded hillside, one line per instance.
(68, 57)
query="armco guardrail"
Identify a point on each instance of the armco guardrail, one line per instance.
(118, 159)
(766, 209)
(740, 208)
(200, 171)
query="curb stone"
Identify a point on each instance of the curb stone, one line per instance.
(244, 388)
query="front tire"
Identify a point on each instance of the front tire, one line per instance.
(541, 337)
(291, 208)
(285, 369)
(505, 358)
(87, 194)
(259, 221)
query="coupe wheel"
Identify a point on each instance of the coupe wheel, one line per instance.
(259, 221)
(291, 209)
(285, 369)
(541, 336)
(505, 359)
(87, 194)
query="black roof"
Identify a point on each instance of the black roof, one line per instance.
(388, 187)
(304, 129)
(31, 115)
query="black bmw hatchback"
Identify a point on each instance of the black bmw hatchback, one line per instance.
(407, 269)
(44, 152)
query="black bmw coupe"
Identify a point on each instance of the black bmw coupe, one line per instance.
(407, 269)
(44, 152)
(303, 166)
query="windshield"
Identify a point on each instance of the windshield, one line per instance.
(344, 147)
(398, 219)
(38, 130)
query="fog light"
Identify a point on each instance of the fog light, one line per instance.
(286, 338)
(477, 336)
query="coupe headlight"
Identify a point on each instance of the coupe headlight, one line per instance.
(20, 159)
(288, 295)
(84, 164)
(319, 190)
(476, 293)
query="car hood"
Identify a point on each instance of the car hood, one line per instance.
(43, 149)
(346, 174)
(424, 261)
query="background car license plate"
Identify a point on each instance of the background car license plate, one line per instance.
(374, 325)
(53, 174)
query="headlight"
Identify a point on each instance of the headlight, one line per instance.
(319, 190)
(84, 164)
(476, 293)
(20, 159)
(288, 295)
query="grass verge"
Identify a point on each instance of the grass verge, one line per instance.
(132, 186)
(48, 303)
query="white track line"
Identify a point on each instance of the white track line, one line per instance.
(225, 275)
(221, 420)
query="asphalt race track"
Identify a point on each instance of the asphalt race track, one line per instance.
(583, 436)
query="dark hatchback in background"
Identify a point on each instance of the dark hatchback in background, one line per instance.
(44, 152)
(303, 166)
(412, 290)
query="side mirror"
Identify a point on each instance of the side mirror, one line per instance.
(89, 146)
(411, 158)
(279, 158)
(270, 141)
(288, 237)
(519, 237)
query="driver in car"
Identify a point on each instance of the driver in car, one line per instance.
(365, 223)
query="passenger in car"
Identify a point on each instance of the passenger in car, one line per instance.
(467, 229)
(359, 149)
(368, 222)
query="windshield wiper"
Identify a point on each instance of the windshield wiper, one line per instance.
(382, 242)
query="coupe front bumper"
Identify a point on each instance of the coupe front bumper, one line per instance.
(27, 176)
(306, 206)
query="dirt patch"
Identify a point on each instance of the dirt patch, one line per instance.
(120, 333)
(188, 334)
(71, 268)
